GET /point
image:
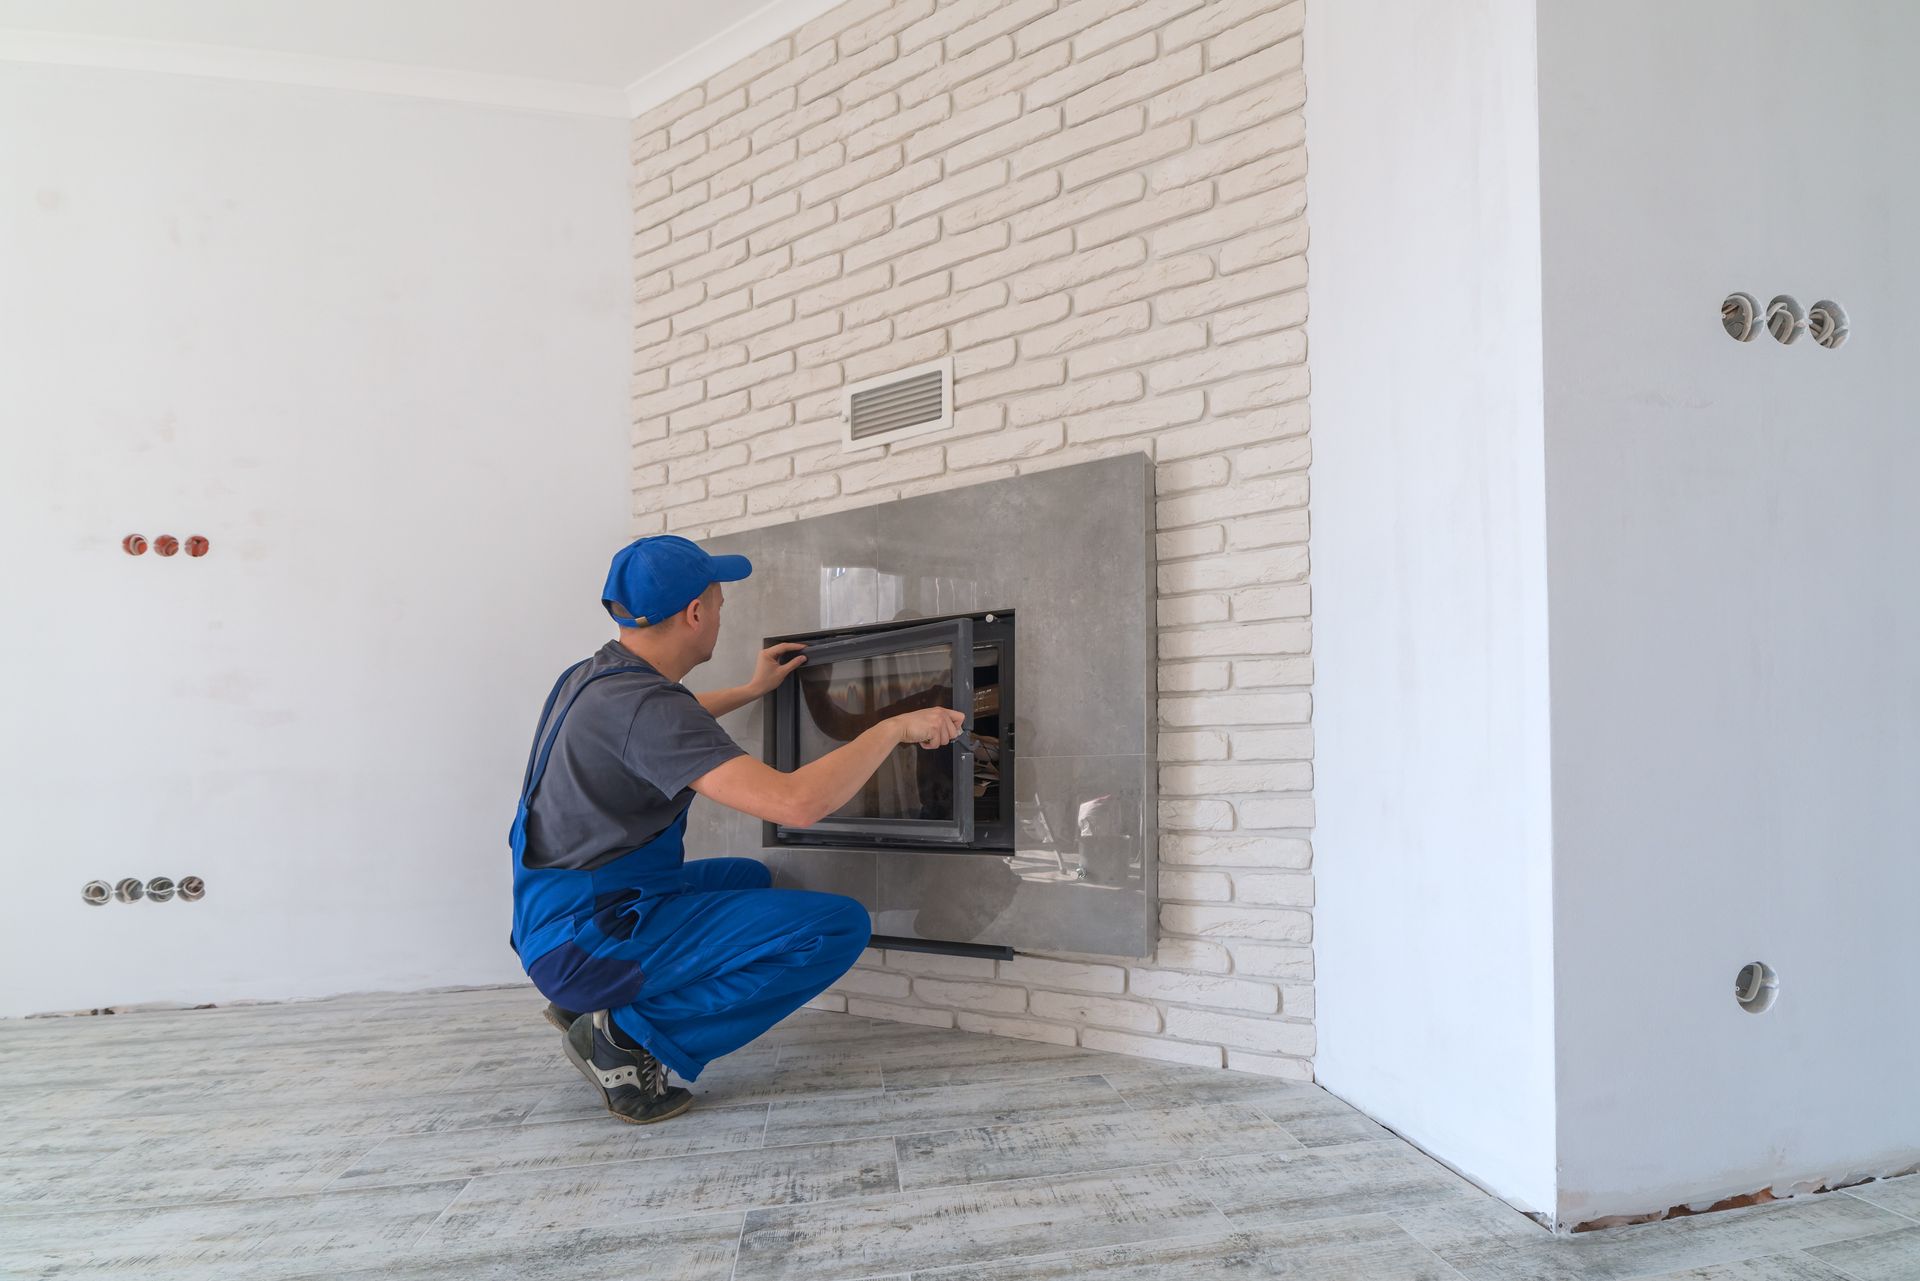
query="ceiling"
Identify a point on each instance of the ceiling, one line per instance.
(606, 44)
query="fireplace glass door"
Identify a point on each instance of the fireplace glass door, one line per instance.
(944, 798)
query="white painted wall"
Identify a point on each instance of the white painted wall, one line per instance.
(374, 349)
(1736, 717)
(1432, 931)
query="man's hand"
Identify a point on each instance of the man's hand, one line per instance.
(770, 669)
(930, 727)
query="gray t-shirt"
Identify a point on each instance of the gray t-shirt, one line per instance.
(621, 767)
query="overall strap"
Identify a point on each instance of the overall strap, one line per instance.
(538, 768)
(526, 779)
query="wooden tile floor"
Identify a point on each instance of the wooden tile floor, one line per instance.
(442, 1136)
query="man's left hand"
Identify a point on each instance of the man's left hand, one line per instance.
(773, 665)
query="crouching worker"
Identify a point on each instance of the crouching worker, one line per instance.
(651, 962)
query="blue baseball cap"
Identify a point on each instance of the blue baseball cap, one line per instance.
(655, 578)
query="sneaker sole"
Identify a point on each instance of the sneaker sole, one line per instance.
(592, 1079)
(550, 1017)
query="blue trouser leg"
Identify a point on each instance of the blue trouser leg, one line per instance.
(728, 958)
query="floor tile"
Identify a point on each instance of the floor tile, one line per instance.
(1901, 1195)
(1885, 1256)
(637, 1191)
(1368, 1248)
(1774, 1267)
(695, 1249)
(421, 1158)
(875, 1236)
(942, 1108)
(1322, 1183)
(1082, 1144)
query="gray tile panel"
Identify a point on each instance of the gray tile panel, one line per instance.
(947, 1107)
(1885, 1256)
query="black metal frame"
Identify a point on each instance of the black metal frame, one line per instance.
(962, 634)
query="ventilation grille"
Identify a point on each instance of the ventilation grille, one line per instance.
(911, 402)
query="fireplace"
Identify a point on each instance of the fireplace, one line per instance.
(954, 798)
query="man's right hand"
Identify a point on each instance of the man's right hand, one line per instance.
(930, 727)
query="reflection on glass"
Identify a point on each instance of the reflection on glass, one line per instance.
(840, 701)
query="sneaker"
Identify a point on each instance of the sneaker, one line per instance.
(562, 1019)
(632, 1083)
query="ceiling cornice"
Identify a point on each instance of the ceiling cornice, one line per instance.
(718, 52)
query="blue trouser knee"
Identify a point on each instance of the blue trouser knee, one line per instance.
(728, 957)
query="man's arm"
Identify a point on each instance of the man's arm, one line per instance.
(768, 672)
(818, 788)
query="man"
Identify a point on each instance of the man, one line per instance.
(650, 962)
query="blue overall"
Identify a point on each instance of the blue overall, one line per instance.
(691, 960)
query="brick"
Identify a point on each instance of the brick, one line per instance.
(1084, 72)
(1073, 976)
(851, 176)
(993, 388)
(678, 355)
(1260, 317)
(754, 268)
(1286, 1069)
(673, 109)
(1012, 77)
(755, 216)
(791, 493)
(1022, 131)
(750, 68)
(892, 470)
(1007, 320)
(1151, 1047)
(832, 1002)
(949, 251)
(1097, 1011)
(1274, 889)
(1222, 83)
(838, 19)
(1018, 1029)
(1295, 743)
(1267, 170)
(749, 323)
(939, 965)
(1236, 777)
(1192, 954)
(1088, 265)
(1193, 887)
(1079, 205)
(1195, 473)
(665, 402)
(785, 284)
(893, 74)
(894, 1013)
(1081, 330)
(1141, 215)
(1188, 678)
(706, 213)
(896, 242)
(1237, 850)
(800, 386)
(845, 69)
(1282, 637)
(997, 998)
(1277, 961)
(1260, 924)
(788, 169)
(898, 126)
(1182, 611)
(945, 311)
(1264, 245)
(812, 116)
(749, 476)
(1277, 530)
(708, 114)
(1271, 387)
(1269, 1036)
(1220, 159)
(873, 983)
(1157, 345)
(1217, 16)
(791, 72)
(1003, 203)
(839, 126)
(1205, 989)
(891, 21)
(1005, 446)
(952, 190)
(957, 479)
(998, 17)
(1058, 148)
(1132, 153)
(1282, 812)
(1220, 572)
(834, 236)
(1135, 86)
(745, 428)
(710, 460)
(1199, 816)
(1254, 108)
(839, 293)
(951, 73)
(1235, 709)
(1150, 280)
(1201, 745)
(744, 376)
(1263, 495)
(739, 128)
(838, 347)
(1076, 398)
(699, 513)
(968, 361)
(788, 230)
(932, 138)
(898, 355)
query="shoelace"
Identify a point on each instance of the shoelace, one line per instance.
(653, 1077)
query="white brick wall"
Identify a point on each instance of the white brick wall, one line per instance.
(1096, 207)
